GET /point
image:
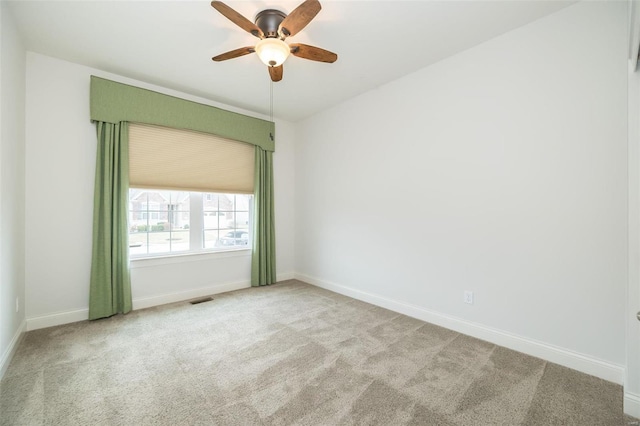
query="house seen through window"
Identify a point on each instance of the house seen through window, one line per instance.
(173, 222)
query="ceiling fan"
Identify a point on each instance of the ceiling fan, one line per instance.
(272, 27)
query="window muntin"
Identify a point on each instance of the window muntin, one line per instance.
(177, 222)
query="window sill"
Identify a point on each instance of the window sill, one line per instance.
(144, 262)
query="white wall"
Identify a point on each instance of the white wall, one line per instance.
(501, 170)
(61, 146)
(632, 375)
(12, 104)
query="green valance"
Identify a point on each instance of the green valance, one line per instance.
(114, 102)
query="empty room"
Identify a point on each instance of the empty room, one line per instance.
(169, 253)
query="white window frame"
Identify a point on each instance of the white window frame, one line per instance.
(196, 232)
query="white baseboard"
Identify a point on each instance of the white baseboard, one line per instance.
(57, 318)
(286, 276)
(632, 404)
(11, 349)
(574, 360)
(67, 317)
(148, 302)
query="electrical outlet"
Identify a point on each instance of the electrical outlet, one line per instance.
(17, 304)
(468, 297)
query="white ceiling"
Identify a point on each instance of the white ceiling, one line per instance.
(170, 43)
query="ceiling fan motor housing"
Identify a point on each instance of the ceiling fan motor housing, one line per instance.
(272, 27)
(269, 21)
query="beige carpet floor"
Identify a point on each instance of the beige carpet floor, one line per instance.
(287, 354)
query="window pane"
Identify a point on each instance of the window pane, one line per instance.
(242, 220)
(137, 242)
(210, 202)
(210, 239)
(234, 238)
(137, 222)
(226, 202)
(180, 199)
(210, 220)
(159, 242)
(159, 221)
(180, 241)
(163, 197)
(242, 202)
(225, 227)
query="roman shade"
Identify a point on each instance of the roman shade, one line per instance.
(167, 158)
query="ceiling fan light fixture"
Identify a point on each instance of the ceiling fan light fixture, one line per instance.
(272, 51)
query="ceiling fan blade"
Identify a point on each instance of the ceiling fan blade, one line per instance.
(313, 53)
(276, 73)
(299, 18)
(237, 19)
(233, 54)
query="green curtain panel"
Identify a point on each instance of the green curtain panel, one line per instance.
(110, 286)
(263, 259)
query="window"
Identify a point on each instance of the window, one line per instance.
(199, 202)
(172, 222)
(226, 220)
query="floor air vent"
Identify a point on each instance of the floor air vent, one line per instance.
(204, 299)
